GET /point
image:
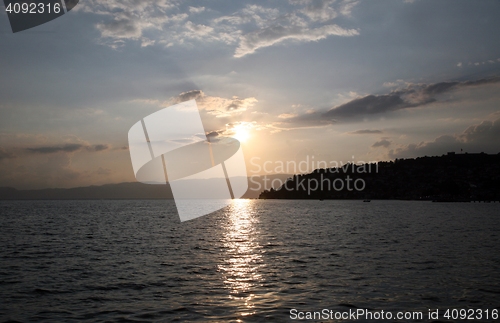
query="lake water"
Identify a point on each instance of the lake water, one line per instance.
(254, 261)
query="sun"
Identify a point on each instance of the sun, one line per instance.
(241, 133)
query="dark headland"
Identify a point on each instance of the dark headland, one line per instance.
(448, 178)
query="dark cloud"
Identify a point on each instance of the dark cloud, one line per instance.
(370, 104)
(438, 88)
(5, 154)
(99, 147)
(212, 134)
(235, 105)
(477, 138)
(366, 132)
(494, 79)
(68, 148)
(313, 119)
(189, 95)
(415, 95)
(382, 143)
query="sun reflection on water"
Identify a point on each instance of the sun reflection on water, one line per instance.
(241, 266)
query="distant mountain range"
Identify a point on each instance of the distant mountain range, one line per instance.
(452, 177)
(109, 191)
(133, 190)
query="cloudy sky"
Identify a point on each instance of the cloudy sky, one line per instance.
(333, 79)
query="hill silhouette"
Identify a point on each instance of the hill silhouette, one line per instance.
(451, 177)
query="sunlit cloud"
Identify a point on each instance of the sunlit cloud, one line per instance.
(287, 115)
(275, 34)
(217, 106)
(249, 29)
(241, 130)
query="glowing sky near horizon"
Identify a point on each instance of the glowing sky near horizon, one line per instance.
(290, 79)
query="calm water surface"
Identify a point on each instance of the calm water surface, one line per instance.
(254, 261)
